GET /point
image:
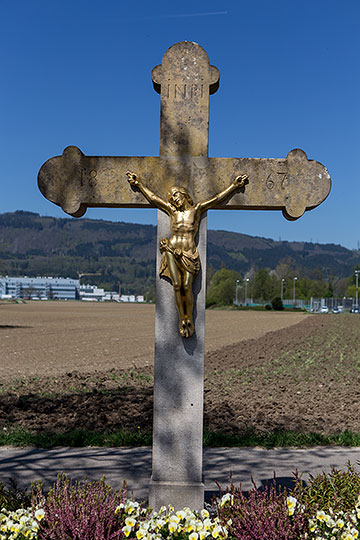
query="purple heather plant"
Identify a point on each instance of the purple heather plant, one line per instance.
(80, 511)
(262, 515)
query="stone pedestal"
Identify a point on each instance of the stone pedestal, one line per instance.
(178, 392)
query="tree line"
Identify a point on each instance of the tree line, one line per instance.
(225, 286)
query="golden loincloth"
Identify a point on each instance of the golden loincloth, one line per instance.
(186, 261)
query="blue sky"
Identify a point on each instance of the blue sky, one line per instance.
(77, 72)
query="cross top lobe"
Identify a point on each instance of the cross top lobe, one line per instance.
(188, 63)
(184, 80)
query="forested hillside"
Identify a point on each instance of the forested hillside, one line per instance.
(33, 245)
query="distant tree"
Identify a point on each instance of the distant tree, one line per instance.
(316, 274)
(263, 285)
(340, 287)
(318, 288)
(330, 291)
(284, 270)
(351, 291)
(222, 287)
(276, 303)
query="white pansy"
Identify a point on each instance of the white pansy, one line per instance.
(227, 498)
(126, 530)
(291, 502)
(39, 514)
(216, 532)
(172, 526)
(181, 514)
(130, 522)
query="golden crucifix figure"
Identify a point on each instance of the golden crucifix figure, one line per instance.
(180, 258)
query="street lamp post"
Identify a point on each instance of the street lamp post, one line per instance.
(236, 292)
(246, 284)
(294, 297)
(357, 287)
(282, 289)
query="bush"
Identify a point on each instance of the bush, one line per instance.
(80, 511)
(222, 289)
(12, 497)
(277, 303)
(338, 490)
(268, 307)
(264, 514)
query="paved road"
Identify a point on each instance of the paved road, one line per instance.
(134, 465)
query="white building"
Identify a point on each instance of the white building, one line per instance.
(91, 293)
(39, 287)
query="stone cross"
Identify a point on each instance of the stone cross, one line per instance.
(76, 182)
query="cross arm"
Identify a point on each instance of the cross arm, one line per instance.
(293, 185)
(148, 194)
(76, 182)
(237, 183)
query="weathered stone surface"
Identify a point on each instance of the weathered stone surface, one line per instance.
(77, 182)
(185, 79)
(179, 363)
(178, 393)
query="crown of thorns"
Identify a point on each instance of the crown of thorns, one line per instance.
(181, 190)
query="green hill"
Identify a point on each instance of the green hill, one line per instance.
(33, 245)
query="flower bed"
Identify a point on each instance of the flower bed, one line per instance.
(327, 508)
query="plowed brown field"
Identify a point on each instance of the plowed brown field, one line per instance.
(52, 338)
(71, 365)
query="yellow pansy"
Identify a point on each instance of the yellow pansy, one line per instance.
(216, 532)
(126, 530)
(39, 514)
(181, 514)
(190, 526)
(173, 526)
(130, 522)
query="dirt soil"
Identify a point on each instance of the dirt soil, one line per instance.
(66, 366)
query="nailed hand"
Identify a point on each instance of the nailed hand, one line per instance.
(133, 181)
(240, 180)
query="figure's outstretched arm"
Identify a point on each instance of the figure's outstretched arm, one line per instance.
(237, 183)
(150, 195)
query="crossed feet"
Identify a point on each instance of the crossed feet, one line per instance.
(186, 327)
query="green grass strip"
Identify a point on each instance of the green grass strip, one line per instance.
(280, 438)
(21, 437)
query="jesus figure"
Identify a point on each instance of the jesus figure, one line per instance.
(180, 258)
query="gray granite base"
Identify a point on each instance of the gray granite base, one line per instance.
(178, 392)
(187, 494)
